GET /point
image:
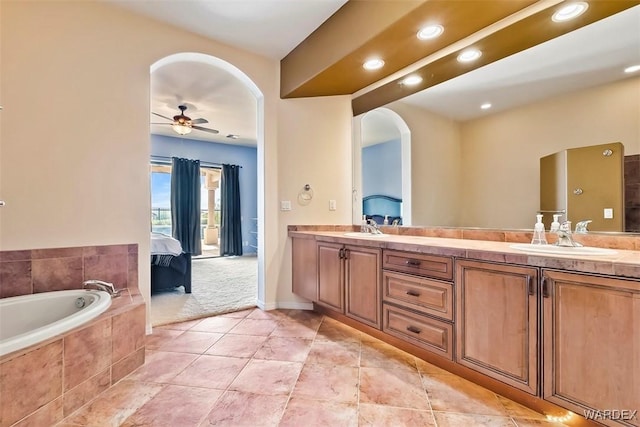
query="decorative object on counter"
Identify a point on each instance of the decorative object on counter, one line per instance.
(555, 225)
(539, 237)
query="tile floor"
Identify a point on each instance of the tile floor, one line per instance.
(290, 368)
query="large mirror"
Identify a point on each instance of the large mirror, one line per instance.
(472, 167)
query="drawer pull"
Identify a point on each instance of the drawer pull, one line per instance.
(413, 293)
(413, 263)
(413, 329)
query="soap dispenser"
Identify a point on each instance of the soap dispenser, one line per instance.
(539, 237)
(386, 220)
(555, 225)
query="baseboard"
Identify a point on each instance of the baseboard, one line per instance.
(290, 305)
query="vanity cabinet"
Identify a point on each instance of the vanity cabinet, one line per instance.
(349, 281)
(418, 300)
(497, 321)
(591, 336)
(305, 267)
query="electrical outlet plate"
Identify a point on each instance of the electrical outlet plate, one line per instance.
(608, 213)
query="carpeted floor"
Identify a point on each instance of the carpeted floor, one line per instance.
(218, 285)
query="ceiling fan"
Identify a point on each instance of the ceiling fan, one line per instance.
(183, 124)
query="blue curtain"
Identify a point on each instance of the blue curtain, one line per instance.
(230, 219)
(185, 204)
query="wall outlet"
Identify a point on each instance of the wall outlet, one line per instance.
(608, 213)
(285, 205)
(332, 205)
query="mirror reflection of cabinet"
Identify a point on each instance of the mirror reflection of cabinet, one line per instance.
(585, 183)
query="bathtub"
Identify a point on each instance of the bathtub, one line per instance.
(29, 319)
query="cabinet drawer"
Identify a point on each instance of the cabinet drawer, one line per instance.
(431, 334)
(424, 295)
(440, 267)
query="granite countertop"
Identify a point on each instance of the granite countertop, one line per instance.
(624, 263)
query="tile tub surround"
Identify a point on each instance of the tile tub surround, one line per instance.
(41, 270)
(42, 384)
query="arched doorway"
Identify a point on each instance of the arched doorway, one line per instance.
(223, 67)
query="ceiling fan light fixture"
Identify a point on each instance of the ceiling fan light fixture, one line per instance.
(430, 32)
(181, 129)
(570, 11)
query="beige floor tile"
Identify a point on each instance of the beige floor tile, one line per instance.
(328, 382)
(528, 422)
(215, 324)
(237, 345)
(305, 412)
(388, 416)
(282, 348)
(254, 327)
(160, 337)
(293, 329)
(162, 366)
(267, 377)
(447, 419)
(191, 342)
(345, 353)
(181, 326)
(515, 409)
(115, 405)
(239, 314)
(393, 387)
(211, 372)
(239, 409)
(188, 406)
(377, 354)
(454, 394)
(332, 330)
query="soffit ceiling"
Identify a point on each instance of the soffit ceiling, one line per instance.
(209, 92)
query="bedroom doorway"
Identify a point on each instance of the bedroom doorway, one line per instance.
(210, 204)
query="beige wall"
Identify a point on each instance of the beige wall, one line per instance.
(435, 166)
(501, 153)
(74, 161)
(318, 153)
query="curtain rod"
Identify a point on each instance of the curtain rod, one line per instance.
(164, 159)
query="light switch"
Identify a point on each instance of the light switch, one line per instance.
(285, 205)
(332, 205)
(608, 213)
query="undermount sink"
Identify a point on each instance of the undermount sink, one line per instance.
(563, 250)
(362, 234)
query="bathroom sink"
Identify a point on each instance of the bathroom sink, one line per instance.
(563, 250)
(361, 234)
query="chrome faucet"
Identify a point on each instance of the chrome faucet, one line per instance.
(371, 227)
(581, 226)
(564, 236)
(102, 286)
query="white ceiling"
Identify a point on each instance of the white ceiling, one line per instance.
(589, 56)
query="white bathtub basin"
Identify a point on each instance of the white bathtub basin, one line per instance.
(361, 234)
(563, 250)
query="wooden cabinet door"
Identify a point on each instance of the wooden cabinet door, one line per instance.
(304, 268)
(592, 344)
(331, 276)
(362, 285)
(497, 321)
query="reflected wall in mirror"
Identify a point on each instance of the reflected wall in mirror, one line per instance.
(480, 168)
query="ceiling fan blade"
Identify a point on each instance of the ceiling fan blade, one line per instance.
(206, 129)
(199, 121)
(161, 123)
(160, 115)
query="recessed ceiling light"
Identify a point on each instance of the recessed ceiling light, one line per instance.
(411, 80)
(632, 69)
(430, 32)
(373, 64)
(486, 106)
(469, 55)
(570, 11)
